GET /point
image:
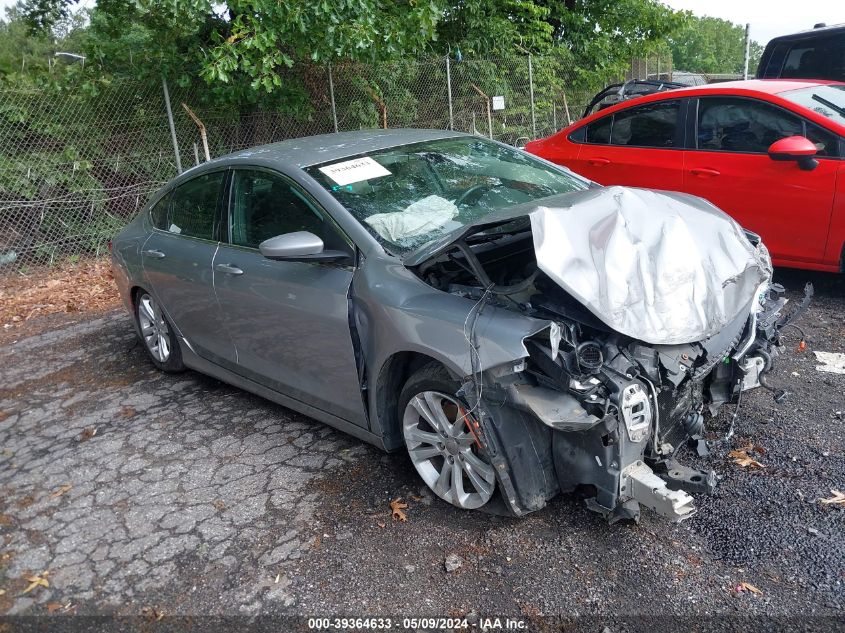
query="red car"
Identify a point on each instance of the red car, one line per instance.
(771, 153)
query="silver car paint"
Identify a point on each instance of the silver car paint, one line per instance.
(240, 328)
(302, 345)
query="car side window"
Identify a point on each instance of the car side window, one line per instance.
(599, 131)
(194, 210)
(265, 205)
(158, 214)
(730, 124)
(650, 125)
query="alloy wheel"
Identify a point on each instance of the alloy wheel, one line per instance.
(445, 452)
(154, 328)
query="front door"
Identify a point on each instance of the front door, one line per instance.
(177, 260)
(289, 320)
(788, 207)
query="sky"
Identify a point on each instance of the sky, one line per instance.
(768, 18)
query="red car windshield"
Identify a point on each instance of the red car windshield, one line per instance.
(828, 101)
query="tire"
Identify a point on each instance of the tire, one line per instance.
(440, 443)
(157, 334)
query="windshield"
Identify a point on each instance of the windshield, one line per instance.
(407, 196)
(828, 101)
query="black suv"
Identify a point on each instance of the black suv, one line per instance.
(815, 54)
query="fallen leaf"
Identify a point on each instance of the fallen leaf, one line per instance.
(36, 581)
(838, 499)
(62, 490)
(381, 524)
(87, 434)
(3, 415)
(747, 586)
(416, 498)
(152, 614)
(317, 542)
(71, 307)
(127, 412)
(52, 607)
(396, 507)
(743, 459)
(219, 505)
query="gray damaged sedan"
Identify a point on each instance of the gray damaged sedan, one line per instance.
(518, 330)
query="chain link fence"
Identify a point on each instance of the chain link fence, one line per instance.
(78, 162)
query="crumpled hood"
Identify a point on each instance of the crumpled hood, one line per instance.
(663, 268)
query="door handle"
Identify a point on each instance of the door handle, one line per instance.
(598, 162)
(704, 171)
(153, 253)
(228, 269)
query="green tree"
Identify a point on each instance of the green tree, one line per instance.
(712, 45)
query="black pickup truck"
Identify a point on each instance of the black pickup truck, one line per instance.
(818, 53)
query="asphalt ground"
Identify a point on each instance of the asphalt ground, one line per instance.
(148, 498)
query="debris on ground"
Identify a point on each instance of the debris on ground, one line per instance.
(61, 490)
(838, 499)
(744, 587)
(831, 362)
(453, 563)
(152, 614)
(87, 434)
(396, 509)
(84, 286)
(36, 580)
(742, 458)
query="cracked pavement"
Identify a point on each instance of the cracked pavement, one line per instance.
(183, 490)
(196, 498)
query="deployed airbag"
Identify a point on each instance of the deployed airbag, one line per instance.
(664, 268)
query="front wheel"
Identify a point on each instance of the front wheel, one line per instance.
(158, 335)
(441, 442)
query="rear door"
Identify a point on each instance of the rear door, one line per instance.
(639, 146)
(177, 263)
(289, 320)
(729, 166)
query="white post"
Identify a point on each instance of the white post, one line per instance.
(449, 93)
(531, 94)
(747, 48)
(331, 94)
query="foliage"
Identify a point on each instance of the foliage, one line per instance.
(712, 45)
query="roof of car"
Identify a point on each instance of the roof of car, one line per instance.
(820, 31)
(312, 150)
(769, 86)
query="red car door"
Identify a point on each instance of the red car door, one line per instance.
(729, 166)
(639, 146)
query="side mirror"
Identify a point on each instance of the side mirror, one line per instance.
(300, 246)
(795, 148)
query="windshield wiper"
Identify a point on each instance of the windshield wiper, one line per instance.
(838, 109)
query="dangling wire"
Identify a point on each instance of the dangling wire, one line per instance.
(475, 357)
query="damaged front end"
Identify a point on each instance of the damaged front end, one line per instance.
(660, 310)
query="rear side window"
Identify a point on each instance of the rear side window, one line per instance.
(194, 210)
(815, 59)
(650, 125)
(599, 131)
(158, 214)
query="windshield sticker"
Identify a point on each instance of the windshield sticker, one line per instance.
(355, 170)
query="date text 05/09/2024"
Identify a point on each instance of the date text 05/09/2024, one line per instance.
(415, 624)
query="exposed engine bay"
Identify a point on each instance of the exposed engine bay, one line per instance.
(591, 409)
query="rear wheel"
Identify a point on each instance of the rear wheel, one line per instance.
(157, 334)
(440, 441)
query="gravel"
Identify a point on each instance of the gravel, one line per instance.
(196, 498)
